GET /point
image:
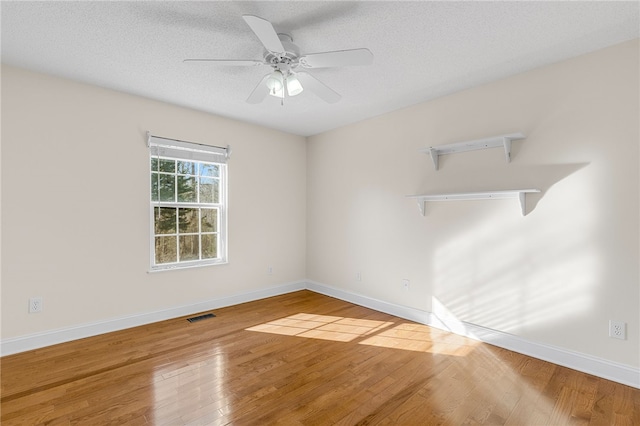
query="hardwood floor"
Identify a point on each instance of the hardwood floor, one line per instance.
(300, 359)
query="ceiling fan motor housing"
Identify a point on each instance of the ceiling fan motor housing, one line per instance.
(286, 61)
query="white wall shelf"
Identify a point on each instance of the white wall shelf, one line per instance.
(503, 141)
(518, 194)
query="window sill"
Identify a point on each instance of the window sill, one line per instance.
(186, 266)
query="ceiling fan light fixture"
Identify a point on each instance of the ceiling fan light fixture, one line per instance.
(275, 82)
(277, 93)
(293, 86)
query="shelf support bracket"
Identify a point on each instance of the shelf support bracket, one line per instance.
(523, 204)
(434, 157)
(507, 148)
(422, 206)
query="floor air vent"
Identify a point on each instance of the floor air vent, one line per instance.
(200, 317)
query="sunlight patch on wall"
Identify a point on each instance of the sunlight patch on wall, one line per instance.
(512, 273)
(449, 320)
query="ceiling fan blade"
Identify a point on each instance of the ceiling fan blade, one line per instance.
(265, 32)
(338, 58)
(232, 62)
(260, 92)
(323, 91)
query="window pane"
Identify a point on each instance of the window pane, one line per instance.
(164, 220)
(209, 192)
(187, 214)
(209, 170)
(209, 246)
(167, 184)
(154, 187)
(187, 168)
(166, 250)
(187, 189)
(189, 247)
(168, 166)
(188, 220)
(209, 220)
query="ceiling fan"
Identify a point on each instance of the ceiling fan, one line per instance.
(286, 61)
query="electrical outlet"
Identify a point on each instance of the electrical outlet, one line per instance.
(35, 305)
(618, 330)
(405, 284)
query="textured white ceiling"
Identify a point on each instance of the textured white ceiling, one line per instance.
(422, 50)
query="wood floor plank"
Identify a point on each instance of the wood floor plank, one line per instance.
(299, 359)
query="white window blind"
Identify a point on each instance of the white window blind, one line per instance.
(162, 147)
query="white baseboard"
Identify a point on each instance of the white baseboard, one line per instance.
(605, 369)
(53, 337)
(423, 317)
(599, 367)
(586, 363)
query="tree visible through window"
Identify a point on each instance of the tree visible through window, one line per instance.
(187, 198)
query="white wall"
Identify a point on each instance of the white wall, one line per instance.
(555, 276)
(75, 205)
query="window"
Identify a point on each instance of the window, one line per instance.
(188, 204)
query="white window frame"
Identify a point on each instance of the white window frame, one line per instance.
(164, 148)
